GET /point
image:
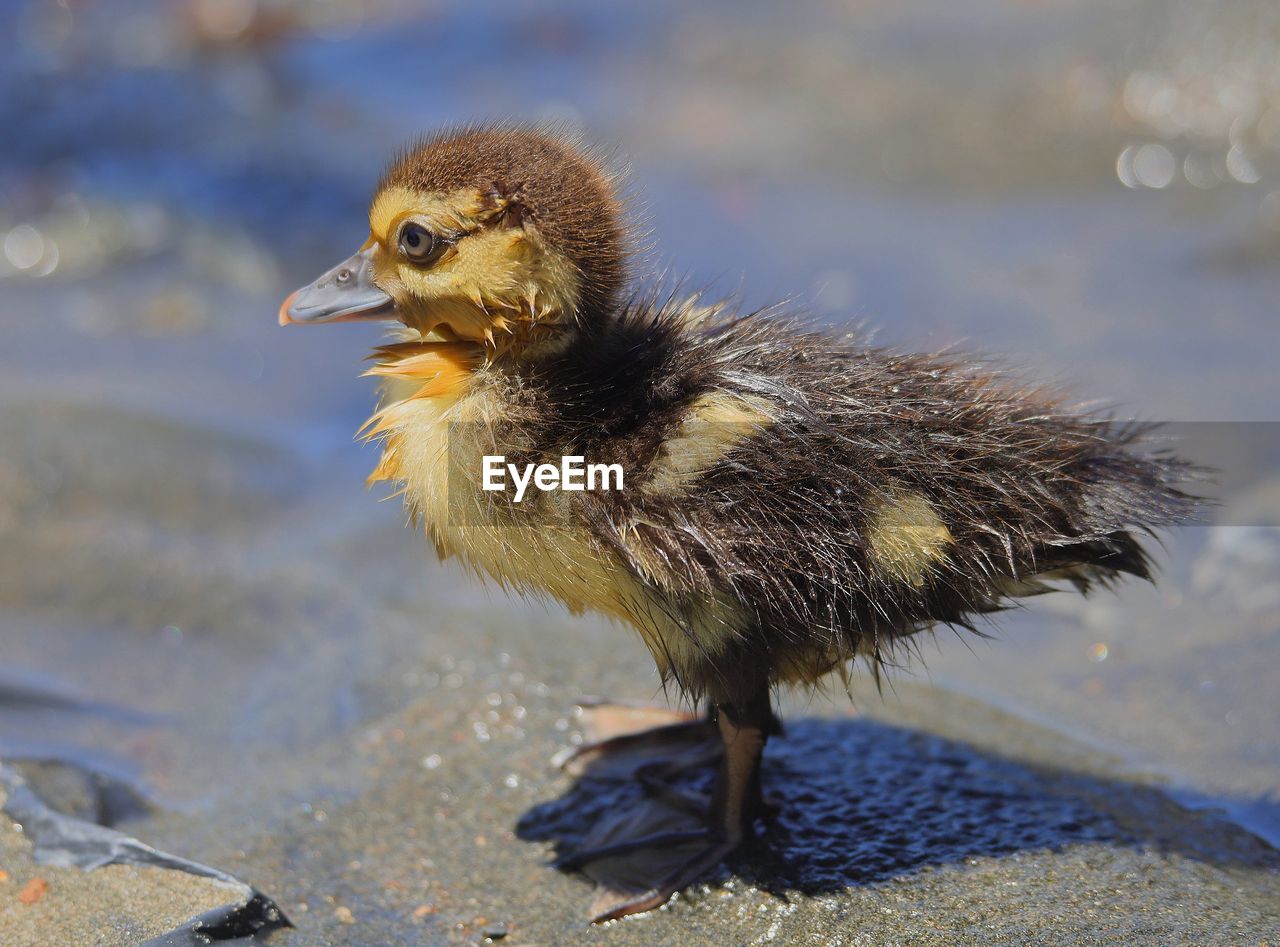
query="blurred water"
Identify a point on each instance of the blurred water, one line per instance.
(1091, 191)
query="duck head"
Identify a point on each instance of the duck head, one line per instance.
(504, 236)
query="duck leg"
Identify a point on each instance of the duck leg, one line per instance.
(643, 857)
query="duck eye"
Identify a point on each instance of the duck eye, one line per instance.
(417, 243)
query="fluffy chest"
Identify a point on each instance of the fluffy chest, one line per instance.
(435, 439)
(435, 448)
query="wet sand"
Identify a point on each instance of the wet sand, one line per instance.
(42, 903)
(887, 833)
(379, 763)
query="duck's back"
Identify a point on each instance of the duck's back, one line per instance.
(798, 499)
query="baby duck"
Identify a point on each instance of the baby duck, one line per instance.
(791, 500)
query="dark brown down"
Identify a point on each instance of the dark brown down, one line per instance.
(780, 525)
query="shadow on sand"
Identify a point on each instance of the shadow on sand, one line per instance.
(860, 802)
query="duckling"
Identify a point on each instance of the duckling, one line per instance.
(791, 501)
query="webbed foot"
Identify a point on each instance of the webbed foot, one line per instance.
(639, 855)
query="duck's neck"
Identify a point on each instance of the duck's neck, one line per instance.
(528, 346)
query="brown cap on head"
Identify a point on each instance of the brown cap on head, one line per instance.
(542, 178)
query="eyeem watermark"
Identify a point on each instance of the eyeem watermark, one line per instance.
(573, 474)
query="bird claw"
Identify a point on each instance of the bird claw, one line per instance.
(607, 908)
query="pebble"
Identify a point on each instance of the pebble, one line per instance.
(34, 890)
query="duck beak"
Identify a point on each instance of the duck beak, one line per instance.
(343, 294)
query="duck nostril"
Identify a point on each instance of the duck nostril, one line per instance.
(343, 276)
